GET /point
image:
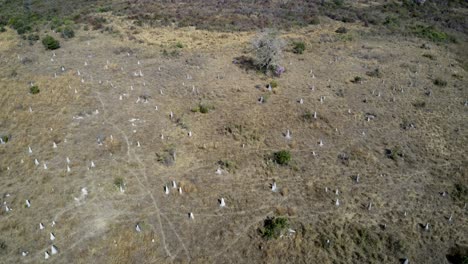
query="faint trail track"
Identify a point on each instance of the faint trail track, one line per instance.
(133, 157)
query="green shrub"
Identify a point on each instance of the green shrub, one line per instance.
(118, 182)
(298, 47)
(2, 29)
(282, 157)
(356, 79)
(67, 32)
(50, 43)
(34, 89)
(5, 138)
(179, 45)
(440, 82)
(272, 227)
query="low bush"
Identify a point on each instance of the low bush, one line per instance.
(50, 43)
(440, 82)
(66, 32)
(272, 227)
(282, 157)
(34, 89)
(356, 79)
(298, 47)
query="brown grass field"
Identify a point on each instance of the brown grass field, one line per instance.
(405, 190)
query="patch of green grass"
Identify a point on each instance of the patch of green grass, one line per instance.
(273, 84)
(179, 45)
(282, 157)
(118, 181)
(298, 47)
(440, 82)
(50, 43)
(273, 226)
(34, 89)
(432, 33)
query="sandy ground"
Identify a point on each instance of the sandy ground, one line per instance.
(101, 104)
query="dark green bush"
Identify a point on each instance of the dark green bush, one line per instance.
(5, 138)
(2, 29)
(298, 47)
(356, 79)
(282, 157)
(50, 43)
(440, 82)
(34, 89)
(272, 227)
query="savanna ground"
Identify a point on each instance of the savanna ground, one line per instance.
(401, 129)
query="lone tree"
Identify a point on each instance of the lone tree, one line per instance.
(267, 48)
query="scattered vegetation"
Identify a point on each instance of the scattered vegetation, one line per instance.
(394, 153)
(432, 33)
(50, 43)
(167, 157)
(34, 89)
(375, 73)
(202, 108)
(273, 226)
(282, 157)
(298, 47)
(429, 56)
(173, 53)
(227, 165)
(440, 82)
(419, 104)
(308, 116)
